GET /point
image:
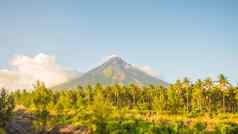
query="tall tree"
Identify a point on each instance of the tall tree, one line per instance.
(6, 107)
(208, 86)
(41, 100)
(223, 85)
(174, 98)
(187, 92)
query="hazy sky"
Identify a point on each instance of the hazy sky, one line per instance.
(194, 38)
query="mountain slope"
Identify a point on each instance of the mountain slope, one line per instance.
(115, 70)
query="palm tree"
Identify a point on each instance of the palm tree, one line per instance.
(187, 89)
(197, 99)
(208, 85)
(134, 92)
(89, 94)
(223, 85)
(116, 94)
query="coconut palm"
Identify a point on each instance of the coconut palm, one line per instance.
(223, 84)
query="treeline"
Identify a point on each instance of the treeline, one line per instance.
(181, 97)
(96, 106)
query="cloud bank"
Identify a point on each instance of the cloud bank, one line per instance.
(27, 70)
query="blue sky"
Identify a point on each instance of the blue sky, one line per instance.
(194, 38)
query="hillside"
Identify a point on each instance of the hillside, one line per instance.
(115, 70)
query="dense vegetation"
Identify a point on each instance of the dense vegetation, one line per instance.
(184, 107)
(6, 108)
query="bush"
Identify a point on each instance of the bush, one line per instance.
(164, 128)
(227, 128)
(114, 127)
(181, 128)
(2, 131)
(129, 127)
(201, 128)
(6, 107)
(145, 128)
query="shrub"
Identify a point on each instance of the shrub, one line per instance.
(6, 107)
(164, 128)
(129, 126)
(2, 131)
(200, 128)
(114, 127)
(181, 128)
(227, 128)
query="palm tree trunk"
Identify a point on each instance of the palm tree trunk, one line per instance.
(223, 103)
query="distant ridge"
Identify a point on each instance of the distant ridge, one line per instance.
(114, 70)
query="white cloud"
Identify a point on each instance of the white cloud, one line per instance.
(30, 69)
(147, 69)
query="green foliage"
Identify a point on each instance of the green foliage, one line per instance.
(227, 128)
(129, 126)
(200, 128)
(6, 107)
(134, 109)
(41, 101)
(164, 128)
(2, 131)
